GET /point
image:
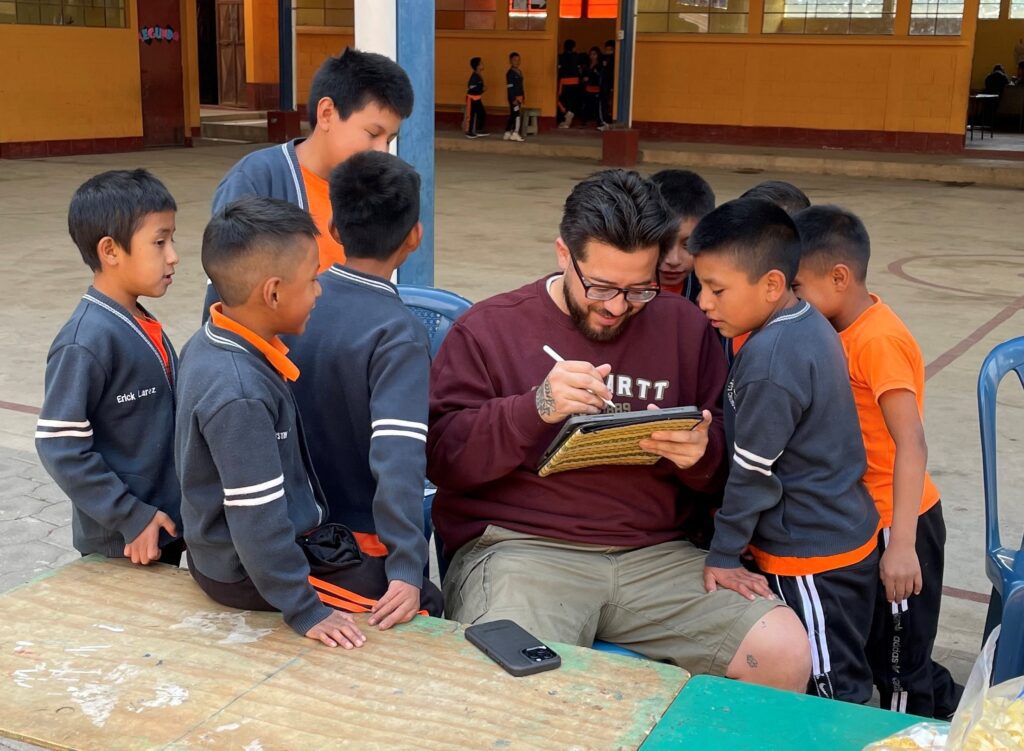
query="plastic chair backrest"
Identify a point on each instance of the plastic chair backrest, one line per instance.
(438, 309)
(1006, 357)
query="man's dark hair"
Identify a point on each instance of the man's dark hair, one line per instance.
(250, 239)
(785, 195)
(619, 208)
(355, 79)
(756, 234)
(513, 54)
(113, 204)
(686, 193)
(375, 197)
(569, 45)
(473, 62)
(831, 235)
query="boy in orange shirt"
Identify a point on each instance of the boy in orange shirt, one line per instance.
(887, 378)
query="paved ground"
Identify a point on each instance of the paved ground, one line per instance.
(949, 259)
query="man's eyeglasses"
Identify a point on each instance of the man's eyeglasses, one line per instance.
(606, 293)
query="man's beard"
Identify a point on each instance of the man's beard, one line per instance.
(579, 315)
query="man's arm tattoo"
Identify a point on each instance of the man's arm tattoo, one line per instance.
(752, 661)
(545, 400)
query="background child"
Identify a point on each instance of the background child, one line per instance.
(248, 497)
(568, 83)
(591, 79)
(516, 96)
(357, 102)
(367, 355)
(690, 198)
(476, 116)
(794, 494)
(608, 81)
(886, 372)
(106, 428)
(785, 195)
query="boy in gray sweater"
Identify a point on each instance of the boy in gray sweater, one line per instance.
(251, 507)
(365, 360)
(794, 499)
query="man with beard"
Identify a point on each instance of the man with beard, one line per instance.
(594, 553)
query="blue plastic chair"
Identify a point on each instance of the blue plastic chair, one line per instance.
(605, 646)
(1004, 566)
(437, 310)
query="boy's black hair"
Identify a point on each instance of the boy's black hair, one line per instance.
(113, 204)
(375, 197)
(609, 43)
(785, 195)
(250, 238)
(831, 235)
(619, 208)
(569, 45)
(686, 193)
(597, 50)
(473, 62)
(355, 78)
(513, 54)
(758, 236)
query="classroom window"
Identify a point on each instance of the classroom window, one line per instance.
(988, 9)
(325, 13)
(692, 16)
(936, 17)
(1017, 9)
(588, 9)
(527, 15)
(93, 13)
(465, 14)
(829, 16)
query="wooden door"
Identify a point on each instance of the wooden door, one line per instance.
(163, 102)
(231, 52)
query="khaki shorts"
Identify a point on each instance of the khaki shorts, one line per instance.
(651, 600)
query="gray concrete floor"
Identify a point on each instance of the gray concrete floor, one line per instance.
(949, 259)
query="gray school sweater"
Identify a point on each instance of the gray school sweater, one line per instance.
(242, 459)
(365, 362)
(796, 453)
(105, 432)
(272, 172)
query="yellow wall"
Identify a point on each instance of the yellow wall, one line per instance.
(994, 44)
(314, 45)
(830, 83)
(69, 83)
(261, 61)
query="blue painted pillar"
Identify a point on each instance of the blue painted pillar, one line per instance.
(285, 56)
(416, 141)
(404, 31)
(625, 55)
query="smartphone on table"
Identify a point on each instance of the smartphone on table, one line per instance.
(513, 647)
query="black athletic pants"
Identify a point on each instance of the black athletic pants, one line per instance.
(903, 634)
(476, 116)
(514, 123)
(836, 608)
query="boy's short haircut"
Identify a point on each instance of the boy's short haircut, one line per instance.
(758, 235)
(355, 78)
(831, 235)
(473, 62)
(113, 204)
(569, 45)
(620, 208)
(784, 195)
(511, 55)
(251, 239)
(686, 193)
(375, 197)
(609, 43)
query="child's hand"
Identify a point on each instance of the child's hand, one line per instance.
(145, 548)
(739, 580)
(398, 605)
(684, 448)
(338, 628)
(900, 572)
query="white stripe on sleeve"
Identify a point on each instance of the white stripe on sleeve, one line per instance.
(754, 457)
(399, 424)
(398, 433)
(255, 488)
(752, 467)
(254, 501)
(61, 424)
(64, 434)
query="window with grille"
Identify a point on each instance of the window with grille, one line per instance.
(527, 15)
(692, 16)
(829, 16)
(325, 13)
(465, 14)
(937, 17)
(93, 13)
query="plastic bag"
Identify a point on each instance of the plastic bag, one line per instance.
(988, 719)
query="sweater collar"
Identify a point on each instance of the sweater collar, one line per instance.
(274, 351)
(352, 276)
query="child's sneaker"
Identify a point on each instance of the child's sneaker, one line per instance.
(507, 136)
(515, 137)
(472, 135)
(568, 119)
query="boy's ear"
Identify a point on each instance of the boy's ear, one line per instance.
(841, 277)
(775, 285)
(413, 239)
(270, 291)
(108, 251)
(325, 110)
(334, 233)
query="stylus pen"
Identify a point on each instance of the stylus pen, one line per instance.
(558, 358)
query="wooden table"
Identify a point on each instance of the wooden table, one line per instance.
(104, 655)
(714, 713)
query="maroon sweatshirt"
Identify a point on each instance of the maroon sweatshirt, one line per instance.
(486, 437)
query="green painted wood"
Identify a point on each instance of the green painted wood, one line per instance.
(716, 713)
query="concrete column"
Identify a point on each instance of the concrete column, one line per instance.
(625, 56)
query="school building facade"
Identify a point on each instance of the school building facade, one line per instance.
(86, 76)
